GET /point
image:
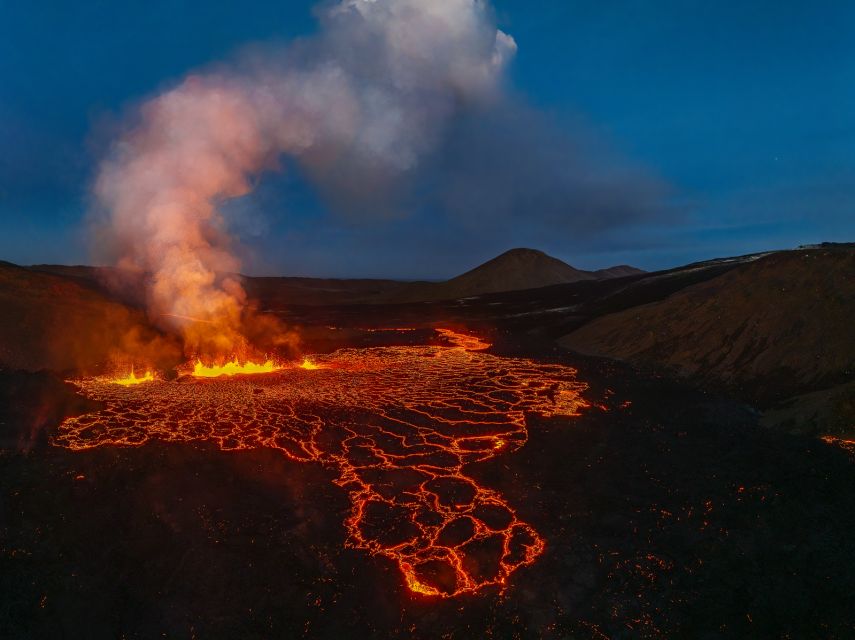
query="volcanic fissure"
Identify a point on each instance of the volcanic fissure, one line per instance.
(399, 424)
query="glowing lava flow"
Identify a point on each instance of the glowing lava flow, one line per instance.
(132, 379)
(847, 445)
(308, 365)
(398, 424)
(233, 368)
(463, 341)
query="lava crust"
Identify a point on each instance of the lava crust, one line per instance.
(399, 424)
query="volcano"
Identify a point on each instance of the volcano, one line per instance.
(516, 269)
(433, 468)
(200, 440)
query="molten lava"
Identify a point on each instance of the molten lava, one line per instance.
(132, 379)
(308, 365)
(847, 445)
(462, 341)
(233, 368)
(399, 425)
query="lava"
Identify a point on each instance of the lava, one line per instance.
(463, 341)
(308, 365)
(399, 425)
(843, 443)
(132, 379)
(233, 368)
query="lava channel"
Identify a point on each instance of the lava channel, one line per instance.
(398, 424)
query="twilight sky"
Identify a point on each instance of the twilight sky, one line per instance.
(711, 129)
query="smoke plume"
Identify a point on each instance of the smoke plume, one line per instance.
(361, 104)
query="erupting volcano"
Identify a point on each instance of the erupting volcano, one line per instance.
(318, 319)
(400, 425)
(362, 104)
(358, 107)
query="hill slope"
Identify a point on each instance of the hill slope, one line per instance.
(60, 322)
(276, 293)
(514, 270)
(770, 329)
(273, 292)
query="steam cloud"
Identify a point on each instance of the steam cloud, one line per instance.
(362, 103)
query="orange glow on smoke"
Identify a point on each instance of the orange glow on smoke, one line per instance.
(132, 379)
(399, 425)
(233, 368)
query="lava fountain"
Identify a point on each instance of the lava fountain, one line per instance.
(399, 425)
(232, 368)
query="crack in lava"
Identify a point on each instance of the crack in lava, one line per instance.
(399, 424)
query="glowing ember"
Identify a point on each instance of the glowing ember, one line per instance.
(848, 445)
(233, 368)
(132, 379)
(399, 425)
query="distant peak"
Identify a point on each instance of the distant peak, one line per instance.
(523, 252)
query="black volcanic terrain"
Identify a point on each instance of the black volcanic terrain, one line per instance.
(703, 489)
(776, 328)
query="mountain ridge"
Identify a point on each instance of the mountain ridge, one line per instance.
(514, 270)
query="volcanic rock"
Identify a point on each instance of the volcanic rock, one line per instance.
(774, 327)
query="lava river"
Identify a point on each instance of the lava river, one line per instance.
(398, 424)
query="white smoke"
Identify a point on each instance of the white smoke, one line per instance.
(362, 103)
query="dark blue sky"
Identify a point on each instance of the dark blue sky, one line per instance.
(745, 109)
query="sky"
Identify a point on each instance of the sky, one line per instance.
(735, 119)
